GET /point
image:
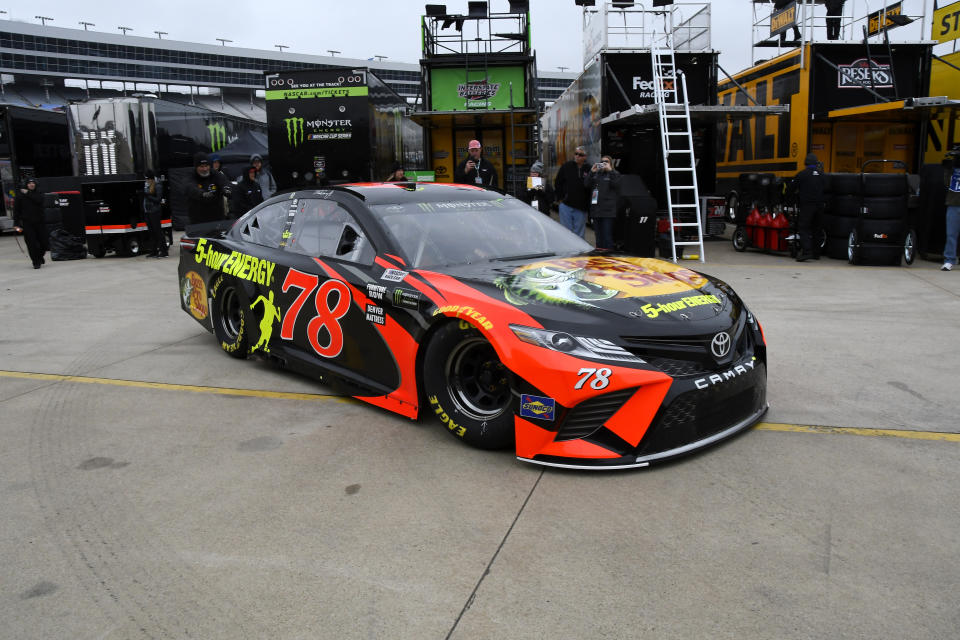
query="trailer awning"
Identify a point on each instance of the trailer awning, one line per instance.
(900, 110)
(699, 112)
(478, 117)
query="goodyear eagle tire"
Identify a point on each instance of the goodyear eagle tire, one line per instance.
(844, 205)
(467, 388)
(845, 183)
(230, 316)
(838, 226)
(886, 208)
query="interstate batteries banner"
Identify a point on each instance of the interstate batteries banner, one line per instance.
(456, 90)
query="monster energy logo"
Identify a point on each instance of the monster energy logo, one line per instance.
(218, 136)
(294, 131)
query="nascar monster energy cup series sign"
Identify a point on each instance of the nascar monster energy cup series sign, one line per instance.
(315, 107)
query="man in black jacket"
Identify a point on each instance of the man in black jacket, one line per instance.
(810, 188)
(205, 192)
(246, 194)
(28, 219)
(153, 212)
(834, 16)
(476, 170)
(572, 192)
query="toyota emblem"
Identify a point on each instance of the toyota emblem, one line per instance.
(720, 345)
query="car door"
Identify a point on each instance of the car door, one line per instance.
(326, 316)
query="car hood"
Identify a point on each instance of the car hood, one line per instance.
(640, 296)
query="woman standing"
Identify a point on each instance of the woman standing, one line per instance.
(28, 219)
(603, 183)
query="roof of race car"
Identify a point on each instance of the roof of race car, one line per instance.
(400, 192)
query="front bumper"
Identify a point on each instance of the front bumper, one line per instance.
(694, 414)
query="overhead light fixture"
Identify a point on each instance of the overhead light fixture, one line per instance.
(519, 6)
(436, 9)
(585, 3)
(623, 4)
(662, 3)
(477, 9)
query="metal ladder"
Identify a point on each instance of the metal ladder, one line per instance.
(676, 140)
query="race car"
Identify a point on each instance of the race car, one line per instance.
(480, 312)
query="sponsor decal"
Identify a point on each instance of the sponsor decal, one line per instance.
(730, 374)
(537, 407)
(645, 87)
(946, 22)
(687, 302)
(323, 320)
(375, 314)
(445, 417)
(406, 299)
(194, 294)
(236, 264)
(586, 281)
(601, 378)
(376, 291)
(218, 136)
(394, 275)
(783, 19)
(481, 90)
(459, 311)
(271, 313)
(858, 73)
(294, 131)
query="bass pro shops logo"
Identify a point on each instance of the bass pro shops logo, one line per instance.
(294, 131)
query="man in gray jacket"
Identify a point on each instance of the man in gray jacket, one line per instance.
(268, 186)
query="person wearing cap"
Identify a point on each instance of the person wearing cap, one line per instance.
(246, 194)
(809, 187)
(268, 186)
(28, 219)
(204, 193)
(538, 194)
(152, 211)
(397, 174)
(475, 169)
(951, 180)
(572, 192)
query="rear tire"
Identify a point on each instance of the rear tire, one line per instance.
(740, 239)
(230, 316)
(467, 388)
(910, 247)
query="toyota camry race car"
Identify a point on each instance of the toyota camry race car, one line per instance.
(487, 316)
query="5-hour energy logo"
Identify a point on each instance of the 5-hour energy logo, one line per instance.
(236, 264)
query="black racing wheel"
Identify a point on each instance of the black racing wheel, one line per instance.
(468, 388)
(740, 238)
(230, 315)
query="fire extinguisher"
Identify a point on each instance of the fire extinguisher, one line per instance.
(763, 222)
(778, 235)
(753, 220)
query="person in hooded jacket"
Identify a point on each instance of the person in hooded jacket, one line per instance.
(603, 183)
(246, 194)
(540, 196)
(205, 192)
(809, 186)
(268, 186)
(28, 219)
(152, 211)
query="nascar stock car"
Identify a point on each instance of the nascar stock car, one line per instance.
(484, 314)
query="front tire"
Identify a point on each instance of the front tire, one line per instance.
(468, 388)
(740, 238)
(230, 315)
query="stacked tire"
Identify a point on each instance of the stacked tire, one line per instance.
(883, 234)
(842, 213)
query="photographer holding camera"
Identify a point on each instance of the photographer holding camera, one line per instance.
(603, 183)
(475, 169)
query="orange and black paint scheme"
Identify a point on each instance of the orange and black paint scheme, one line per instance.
(594, 361)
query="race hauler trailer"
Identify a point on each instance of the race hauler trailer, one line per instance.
(93, 155)
(479, 83)
(337, 125)
(853, 100)
(629, 96)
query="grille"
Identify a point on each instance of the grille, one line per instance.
(680, 357)
(590, 415)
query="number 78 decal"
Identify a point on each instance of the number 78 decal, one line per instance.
(601, 378)
(327, 317)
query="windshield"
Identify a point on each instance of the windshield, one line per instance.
(434, 234)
